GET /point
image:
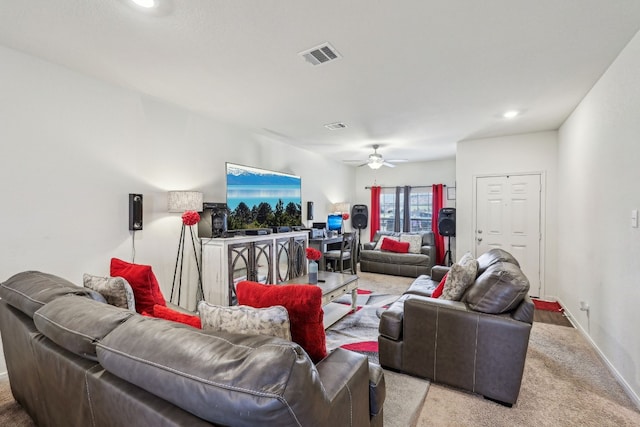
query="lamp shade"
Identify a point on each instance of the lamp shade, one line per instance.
(182, 201)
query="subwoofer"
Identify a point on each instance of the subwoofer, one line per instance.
(359, 216)
(213, 221)
(447, 222)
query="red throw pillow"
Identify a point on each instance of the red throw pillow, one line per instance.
(146, 289)
(304, 305)
(438, 291)
(167, 313)
(394, 246)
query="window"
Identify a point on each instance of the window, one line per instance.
(387, 209)
(421, 208)
(392, 206)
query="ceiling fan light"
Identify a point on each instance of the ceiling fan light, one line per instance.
(375, 165)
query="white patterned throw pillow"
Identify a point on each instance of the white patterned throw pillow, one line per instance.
(242, 319)
(116, 290)
(415, 242)
(461, 275)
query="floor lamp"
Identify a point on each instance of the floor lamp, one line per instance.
(189, 203)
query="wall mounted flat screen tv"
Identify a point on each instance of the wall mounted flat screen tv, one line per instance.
(259, 198)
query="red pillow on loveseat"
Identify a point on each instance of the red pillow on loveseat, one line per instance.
(167, 313)
(394, 246)
(304, 305)
(146, 289)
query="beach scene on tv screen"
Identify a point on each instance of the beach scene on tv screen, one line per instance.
(259, 198)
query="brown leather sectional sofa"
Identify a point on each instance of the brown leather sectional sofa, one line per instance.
(75, 361)
(477, 344)
(399, 264)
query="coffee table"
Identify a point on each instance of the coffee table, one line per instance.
(333, 285)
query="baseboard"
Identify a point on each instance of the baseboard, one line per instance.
(623, 383)
(3, 376)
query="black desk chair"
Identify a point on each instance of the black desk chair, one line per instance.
(337, 257)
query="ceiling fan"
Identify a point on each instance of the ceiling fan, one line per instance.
(376, 161)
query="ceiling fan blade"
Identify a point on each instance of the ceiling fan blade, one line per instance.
(391, 165)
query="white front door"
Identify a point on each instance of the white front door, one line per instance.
(508, 216)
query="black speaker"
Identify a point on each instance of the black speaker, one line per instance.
(447, 222)
(213, 221)
(135, 211)
(359, 216)
(218, 223)
(309, 211)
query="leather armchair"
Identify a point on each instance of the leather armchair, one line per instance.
(450, 343)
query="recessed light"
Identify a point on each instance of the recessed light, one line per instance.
(148, 4)
(510, 114)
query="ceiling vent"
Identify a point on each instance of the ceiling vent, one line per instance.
(335, 126)
(320, 54)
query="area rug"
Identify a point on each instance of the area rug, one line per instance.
(547, 305)
(358, 332)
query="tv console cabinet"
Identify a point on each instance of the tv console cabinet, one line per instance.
(271, 258)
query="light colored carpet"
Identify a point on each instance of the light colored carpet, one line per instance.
(11, 413)
(565, 383)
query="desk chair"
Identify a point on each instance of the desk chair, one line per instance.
(338, 257)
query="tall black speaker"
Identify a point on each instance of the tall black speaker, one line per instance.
(135, 211)
(447, 222)
(359, 216)
(309, 211)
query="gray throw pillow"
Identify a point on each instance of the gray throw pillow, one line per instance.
(461, 276)
(242, 319)
(116, 290)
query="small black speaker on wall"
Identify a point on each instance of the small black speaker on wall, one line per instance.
(135, 211)
(309, 211)
(447, 222)
(359, 216)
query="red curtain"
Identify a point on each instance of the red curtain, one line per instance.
(437, 195)
(375, 212)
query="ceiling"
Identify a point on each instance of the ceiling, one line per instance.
(415, 77)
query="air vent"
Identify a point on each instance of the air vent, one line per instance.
(320, 54)
(335, 126)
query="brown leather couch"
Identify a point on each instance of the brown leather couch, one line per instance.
(477, 344)
(75, 361)
(397, 264)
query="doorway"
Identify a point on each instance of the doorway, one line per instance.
(508, 215)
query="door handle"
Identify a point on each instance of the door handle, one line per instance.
(479, 239)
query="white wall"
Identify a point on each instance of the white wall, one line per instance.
(599, 251)
(73, 148)
(533, 152)
(413, 174)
